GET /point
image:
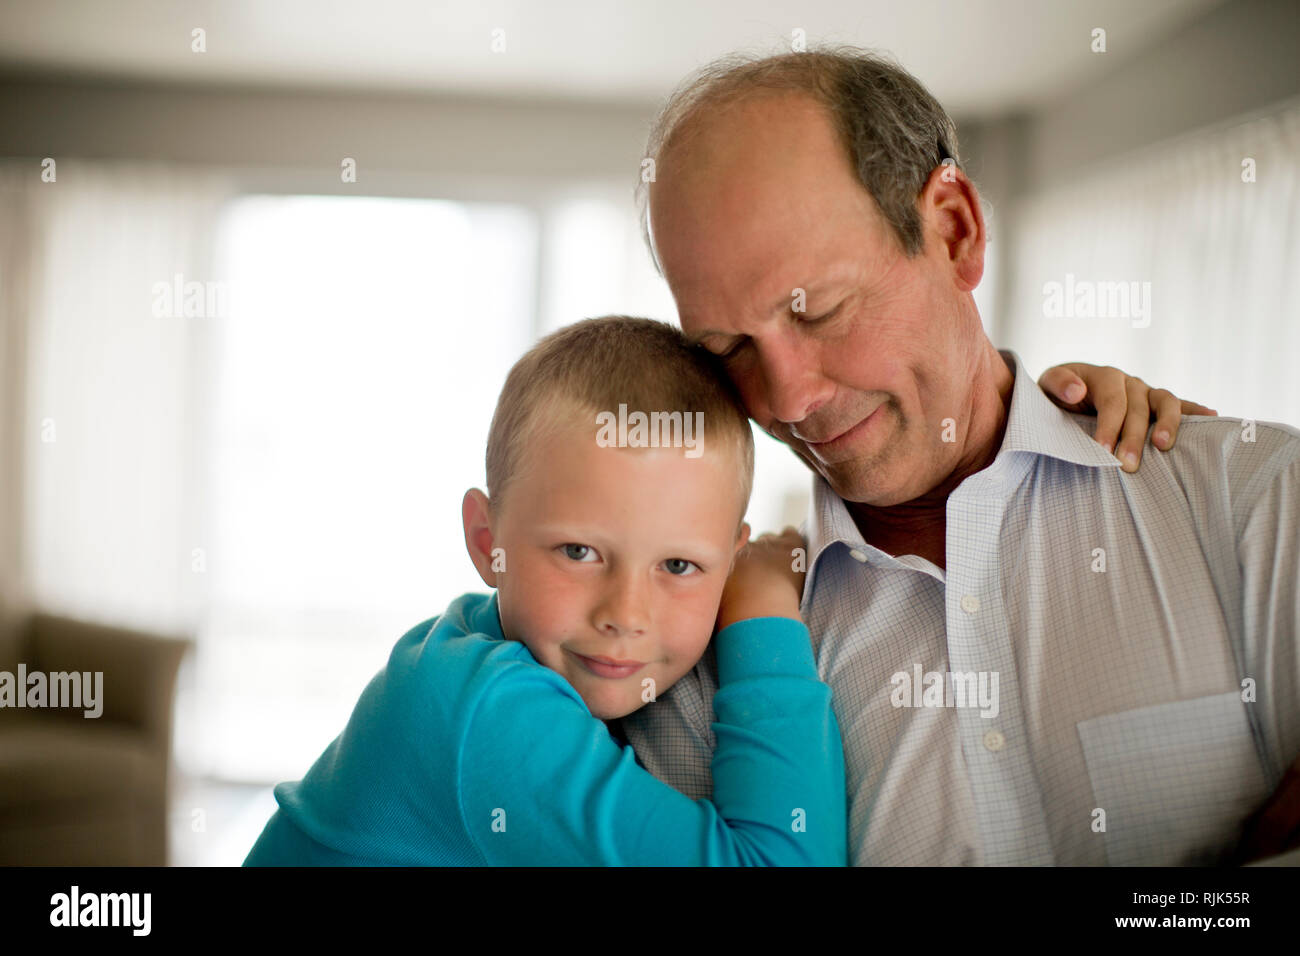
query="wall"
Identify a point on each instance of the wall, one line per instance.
(399, 142)
(1237, 59)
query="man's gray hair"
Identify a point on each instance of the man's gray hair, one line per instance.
(894, 131)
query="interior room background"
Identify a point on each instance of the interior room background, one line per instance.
(243, 394)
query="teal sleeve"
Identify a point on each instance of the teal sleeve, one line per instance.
(541, 782)
(283, 844)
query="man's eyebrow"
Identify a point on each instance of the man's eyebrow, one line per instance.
(697, 340)
(782, 304)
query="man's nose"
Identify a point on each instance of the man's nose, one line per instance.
(791, 382)
(625, 604)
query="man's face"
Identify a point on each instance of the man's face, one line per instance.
(761, 202)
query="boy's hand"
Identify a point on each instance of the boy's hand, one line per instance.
(763, 582)
(1120, 401)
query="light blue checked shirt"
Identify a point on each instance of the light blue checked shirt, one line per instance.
(1124, 618)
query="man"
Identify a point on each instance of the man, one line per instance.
(1037, 656)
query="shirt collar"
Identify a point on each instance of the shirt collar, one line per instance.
(1034, 425)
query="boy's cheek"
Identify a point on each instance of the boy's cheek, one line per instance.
(695, 614)
(548, 600)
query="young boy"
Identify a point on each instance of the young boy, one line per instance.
(619, 469)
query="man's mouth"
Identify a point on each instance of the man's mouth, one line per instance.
(833, 437)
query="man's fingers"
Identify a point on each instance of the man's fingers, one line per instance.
(1136, 419)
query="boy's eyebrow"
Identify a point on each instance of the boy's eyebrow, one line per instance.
(586, 535)
(570, 531)
(563, 529)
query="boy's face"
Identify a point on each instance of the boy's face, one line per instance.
(612, 555)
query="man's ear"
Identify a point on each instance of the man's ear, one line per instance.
(950, 206)
(476, 513)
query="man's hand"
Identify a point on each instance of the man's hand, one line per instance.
(1275, 827)
(763, 581)
(1119, 400)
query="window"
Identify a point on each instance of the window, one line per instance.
(357, 367)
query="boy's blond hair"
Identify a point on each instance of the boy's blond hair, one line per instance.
(596, 365)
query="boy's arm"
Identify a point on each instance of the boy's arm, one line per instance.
(541, 781)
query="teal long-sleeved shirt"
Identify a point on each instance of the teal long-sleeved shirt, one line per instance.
(465, 751)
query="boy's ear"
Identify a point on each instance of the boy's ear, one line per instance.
(476, 513)
(742, 539)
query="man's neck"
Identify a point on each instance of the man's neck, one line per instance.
(919, 526)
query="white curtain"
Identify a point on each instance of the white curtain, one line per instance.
(105, 422)
(1221, 255)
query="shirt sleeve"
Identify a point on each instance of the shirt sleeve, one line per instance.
(1268, 549)
(541, 782)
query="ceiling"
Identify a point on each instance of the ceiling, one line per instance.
(980, 57)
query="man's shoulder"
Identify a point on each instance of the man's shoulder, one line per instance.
(1248, 453)
(1216, 457)
(1240, 444)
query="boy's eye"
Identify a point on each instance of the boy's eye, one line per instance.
(680, 566)
(579, 552)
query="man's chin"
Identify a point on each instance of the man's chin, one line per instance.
(866, 485)
(863, 467)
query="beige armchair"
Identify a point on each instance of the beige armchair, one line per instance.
(78, 791)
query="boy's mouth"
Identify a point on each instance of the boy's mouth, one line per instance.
(608, 666)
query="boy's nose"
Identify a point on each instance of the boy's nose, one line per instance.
(625, 608)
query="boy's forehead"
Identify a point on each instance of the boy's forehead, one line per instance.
(569, 443)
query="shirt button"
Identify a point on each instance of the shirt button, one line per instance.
(994, 740)
(858, 556)
(970, 604)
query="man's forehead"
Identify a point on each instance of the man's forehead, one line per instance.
(759, 170)
(762, 149)
(759, 199)
(759, 263)
(764, 115)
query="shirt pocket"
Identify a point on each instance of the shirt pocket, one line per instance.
(1177, 780)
